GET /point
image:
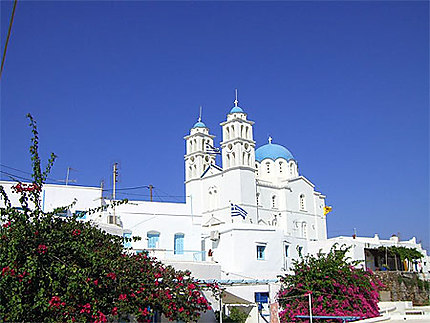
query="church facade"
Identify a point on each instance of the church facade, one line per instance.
(279, 211)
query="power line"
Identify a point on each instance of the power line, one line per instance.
(21, 171)
(13, 176)
(8, 36)
(127, 188)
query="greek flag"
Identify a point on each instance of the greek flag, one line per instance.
(212, 150)
(237, 210)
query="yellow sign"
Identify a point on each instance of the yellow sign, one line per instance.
(327, 209)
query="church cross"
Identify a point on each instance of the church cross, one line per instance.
(236, 101)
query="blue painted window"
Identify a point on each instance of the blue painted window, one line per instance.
(82, 215)
(260, 252)
(127, 244)
(262, 297)
(179, 244)
(153, 238)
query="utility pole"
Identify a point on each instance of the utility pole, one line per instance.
(150, 192)
(310, 307)
(102, 184)
(115, 180)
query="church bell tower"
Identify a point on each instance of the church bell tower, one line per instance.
(197, 158)
(238, 146)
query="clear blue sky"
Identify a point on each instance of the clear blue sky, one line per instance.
(343, 85)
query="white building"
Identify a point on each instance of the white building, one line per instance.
(278, 214)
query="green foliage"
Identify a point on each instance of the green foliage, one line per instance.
(236, 315)
(403, 253)
(337, 288)
(56, 269)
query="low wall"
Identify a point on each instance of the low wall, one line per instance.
(403, 286)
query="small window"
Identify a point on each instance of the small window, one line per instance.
(268, 168)
(153, 238)
(260, 252)
(304, 230)
(82, 215)
(280, 167)
(300, 250)
(127, 243)
(258, 198)
(262, 297)
(179, 244)
(286, 250)
(273, 201)
(302, 202)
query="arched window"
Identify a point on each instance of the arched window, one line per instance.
(153, 239)
(302, 202)
(247, 133)
(227, 133)
(274, 201)
(292, 169)
(179, 244)
(242, 133)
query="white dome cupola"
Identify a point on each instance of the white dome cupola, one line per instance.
(275, 161)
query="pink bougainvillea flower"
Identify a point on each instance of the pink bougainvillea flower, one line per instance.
(42, 249)
(111, 275)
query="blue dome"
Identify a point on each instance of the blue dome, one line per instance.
(272, 151)
(199, 124)
(236, 109)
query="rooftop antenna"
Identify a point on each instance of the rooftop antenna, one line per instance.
(270, 139)
(67, 176)
(235, 101)
(200, 114)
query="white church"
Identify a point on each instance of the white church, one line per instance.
(242, 224)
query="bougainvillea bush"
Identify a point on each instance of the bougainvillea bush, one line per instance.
(62, 269)
(337, 288)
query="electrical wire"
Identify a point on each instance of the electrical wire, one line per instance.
(14, 177)
(127, 188)
(24, 172)
(8, 36)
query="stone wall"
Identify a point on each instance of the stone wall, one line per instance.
(403, 286)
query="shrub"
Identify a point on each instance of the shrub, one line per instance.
(337, 288)
(56, 269)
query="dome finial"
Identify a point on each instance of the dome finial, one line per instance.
(200, 114)
(235, 101)
(270, 139)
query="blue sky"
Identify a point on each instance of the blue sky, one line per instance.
(343, 85)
